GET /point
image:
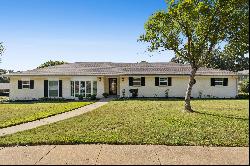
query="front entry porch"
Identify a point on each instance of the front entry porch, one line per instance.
(111, 85)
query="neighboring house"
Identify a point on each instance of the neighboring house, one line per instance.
(151, 80)
(4, 89)
(243, 75)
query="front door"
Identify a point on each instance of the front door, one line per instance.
(112, 86)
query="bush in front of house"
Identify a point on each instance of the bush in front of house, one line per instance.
(134, 92)
(93, 97)
(243, 96)
(80, 97)
(244, 86)
(105, 95)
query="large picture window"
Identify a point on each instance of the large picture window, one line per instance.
(83, 88)
(53, 89)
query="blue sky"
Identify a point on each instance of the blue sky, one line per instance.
(35, 31)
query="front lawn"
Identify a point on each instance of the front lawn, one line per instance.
(16, 113)
(216, 123)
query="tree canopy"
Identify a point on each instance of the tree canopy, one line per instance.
(1, 49)
(51, 63)
(197, 30)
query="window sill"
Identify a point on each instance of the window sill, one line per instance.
(136, 86)
(162, 85)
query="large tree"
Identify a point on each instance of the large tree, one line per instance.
(1, 49)
(196, 29)
(51, 63)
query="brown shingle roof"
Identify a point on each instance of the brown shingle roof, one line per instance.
(109, 68)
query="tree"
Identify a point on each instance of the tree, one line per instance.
(51, 63)
(4, 79)
(244, 86)
(222, 61)
(196, 29)
(1, 49)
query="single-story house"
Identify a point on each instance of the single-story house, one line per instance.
(151, 79)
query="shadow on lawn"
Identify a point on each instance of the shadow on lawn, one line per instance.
(169, 99)
(221, 116)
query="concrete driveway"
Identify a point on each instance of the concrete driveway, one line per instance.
(124, 154)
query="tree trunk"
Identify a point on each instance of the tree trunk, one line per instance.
(189, 89)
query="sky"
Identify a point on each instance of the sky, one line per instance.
(35, 31)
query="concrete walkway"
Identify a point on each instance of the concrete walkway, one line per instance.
(52, 119)
(124, 154)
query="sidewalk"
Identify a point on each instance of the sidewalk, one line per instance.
(124, 154)
(55, 118)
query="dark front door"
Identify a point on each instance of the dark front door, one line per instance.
(112, 86)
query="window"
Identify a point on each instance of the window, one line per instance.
(88, 88)
(72, 83)
(163, 81)
(94, 87)
(218, 81)
(82, 88)
(53, 88)
(26, 84)
(136, 81)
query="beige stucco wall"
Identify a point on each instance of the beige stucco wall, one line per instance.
(38, 91)
(179, 86)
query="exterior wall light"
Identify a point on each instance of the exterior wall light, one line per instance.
(100, 78)
(122, 79)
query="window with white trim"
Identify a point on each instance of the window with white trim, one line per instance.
(53, 88)
(163, 81)
(136, 81)
(26, 84)
(218, 81)
(83, 88)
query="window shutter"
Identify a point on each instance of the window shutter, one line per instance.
(60, 88)
(169, 81)
(31, 84)
(130, 81)
(142, 81)
(19, 84)
(225, 82)
(212, 81)
(156, 81)
(45, 88)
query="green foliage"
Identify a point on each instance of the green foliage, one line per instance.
(244, 86)
(243, 96)
(105, 95)
(14, 113)
(4, 79)
(1, 49)
(93, 97)
(142, 121)
(134, 92)
(196, 30)
(51, 63)
(80, 97)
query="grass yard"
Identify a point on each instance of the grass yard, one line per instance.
(216, 123)
(17, 113)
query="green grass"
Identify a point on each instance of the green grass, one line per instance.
(216, 123)
(20, 112)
